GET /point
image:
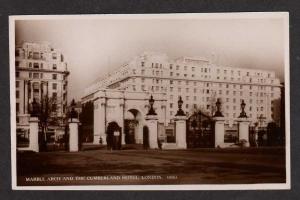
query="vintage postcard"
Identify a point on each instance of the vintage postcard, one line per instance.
(150, 101)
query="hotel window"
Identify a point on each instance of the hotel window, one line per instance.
(171, 105)
(234, 100)
(143, 80)
(187, 98)
(54, 86)
(17, 107)
(171, 73)
(54, 67)
(241, 93)
(195, 90)
(250, 94)
(177, 74)
(36, 75)
(227, 99)
(142, 71)
(171, 81)
(207, 99)
(241, 87)
(247, 73)
(179, 82)
(133, 71)
(227, 107)
(17, 94)
(195, 98)
(272, 94)
(54, 56)
(220, 84)
(171, 113)
(220, 91)
(250, 108)
(177, 67)
(207, 91)
(195, 106)
(193, 69)
(30, 65)
(261, 108)
(54, 76)
(187, 89)
(187, 106)
(234, 86)
(185, 75)
(185, 67)
(227, 92)
(30, 75)
(251, 100)
(17, 84)
(41, 75)
(205, 70)
(234, 93)
(17, 63)
(143, 64)
(156, 65)
(218, 71)
(54, 95)
(225, 71)
(143, 87)
(195, 83)
(152, 65)
(171, 66)
(157, 73)
(234, 107)
(171, 97)
(133, 87)
(187, 82)
(207, 106)
(227, 86)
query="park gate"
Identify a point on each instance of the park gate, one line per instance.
(200, 131)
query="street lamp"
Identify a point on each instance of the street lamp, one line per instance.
(218, 112)
(243, 113)
(151, 110)
(180, 111)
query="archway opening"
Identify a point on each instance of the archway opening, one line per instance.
(132, 129)
(113, 136)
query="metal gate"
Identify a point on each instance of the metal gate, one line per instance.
(200, 131)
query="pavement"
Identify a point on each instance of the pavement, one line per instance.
(196, 166)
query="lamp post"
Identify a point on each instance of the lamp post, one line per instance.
(218, 112)
(151, 110)
(243, 113)
(180, 111)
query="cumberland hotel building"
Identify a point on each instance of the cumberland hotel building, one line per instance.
(40, 71)
(200, 83)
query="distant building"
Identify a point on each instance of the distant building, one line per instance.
(40, 72)
(199, 82)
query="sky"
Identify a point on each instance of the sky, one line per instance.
(93, 47)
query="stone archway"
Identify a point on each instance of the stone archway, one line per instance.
(113, 136)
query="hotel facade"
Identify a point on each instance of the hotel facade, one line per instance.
(124, 93)
(41, 73)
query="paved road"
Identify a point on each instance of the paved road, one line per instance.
(151, 167)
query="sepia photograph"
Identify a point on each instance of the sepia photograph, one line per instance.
(150, 101)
